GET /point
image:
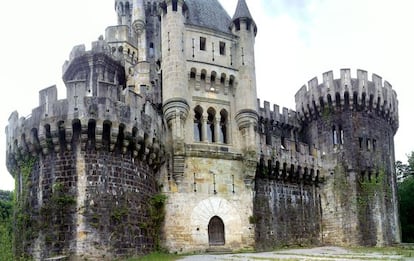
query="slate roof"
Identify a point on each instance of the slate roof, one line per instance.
(208, 13)
(242, 11)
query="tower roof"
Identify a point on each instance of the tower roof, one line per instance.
(242, 11)
(208, 13)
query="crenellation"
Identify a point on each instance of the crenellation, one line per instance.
(287, 117)
(367, 94)
(165, 108)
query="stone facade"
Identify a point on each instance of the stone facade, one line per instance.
(165, 106)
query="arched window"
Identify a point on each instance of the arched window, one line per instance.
(216, 232)
(151, 50)
(341, 135)
(210, 125)
(223, 79)
(198, 114)
(231, 81)
(223, 126)
(193, 73)
(334, 136)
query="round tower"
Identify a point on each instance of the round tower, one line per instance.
(244, 27)
(353, 122)
(174, 78)
(85, 165)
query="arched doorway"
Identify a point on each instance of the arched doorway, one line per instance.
(216, 232)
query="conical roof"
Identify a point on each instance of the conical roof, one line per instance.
(242, 11)
(208, 13)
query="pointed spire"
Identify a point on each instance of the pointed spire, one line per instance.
(242, 11)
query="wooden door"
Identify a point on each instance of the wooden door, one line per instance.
(216, 231)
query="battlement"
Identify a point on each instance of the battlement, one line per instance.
(358, 93)
(98, 47)
(287, 117)
(98, 113)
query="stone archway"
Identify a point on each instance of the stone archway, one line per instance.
(216, 236)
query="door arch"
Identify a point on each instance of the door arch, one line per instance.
(216, 232)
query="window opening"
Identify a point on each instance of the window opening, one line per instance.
(223, 127)
(197, 124)
(175, 5)
(222, 48)
(341, 135)
(202, 43)
(210, 126)
(368, 144)
(334, 136)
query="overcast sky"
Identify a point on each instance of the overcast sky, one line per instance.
(296, 40)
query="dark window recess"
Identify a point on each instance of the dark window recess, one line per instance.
(174, 5)
(360, 142)
(202, 43)
(222, 48)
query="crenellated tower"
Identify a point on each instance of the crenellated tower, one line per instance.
(162, 142)
(352, 121)
(85, 166)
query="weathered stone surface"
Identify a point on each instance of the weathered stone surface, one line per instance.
(167, 103)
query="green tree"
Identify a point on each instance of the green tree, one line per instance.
(6, 228)
(406, 197)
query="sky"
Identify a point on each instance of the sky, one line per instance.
(296, 41)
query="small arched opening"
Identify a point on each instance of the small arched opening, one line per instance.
(216, 232)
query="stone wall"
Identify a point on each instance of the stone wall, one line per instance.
(88, 204)
(286, 214)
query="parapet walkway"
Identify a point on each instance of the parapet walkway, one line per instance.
(319, 253)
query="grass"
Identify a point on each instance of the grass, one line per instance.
(156, 257)
(405, 252)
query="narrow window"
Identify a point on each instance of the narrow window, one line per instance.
(360, 142)
(203, 75)
(223, 79)
(237, 24)
(151, 50)
(334, 136)
(283, 143)
(193, 73)
(174, 5)
(197, 124)
(368, 144)
(202, 43)
(341, 135)
(223, 127)
(222, 48)
(374, 144)
(210, 126)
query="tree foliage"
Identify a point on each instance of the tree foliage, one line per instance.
(406, 197)
(6, 228)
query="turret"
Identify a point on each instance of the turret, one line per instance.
(175, 100)
(123, 9)
(353, 121)
(245, 28)
(138, 25)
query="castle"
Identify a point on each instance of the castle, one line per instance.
(161, 141)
